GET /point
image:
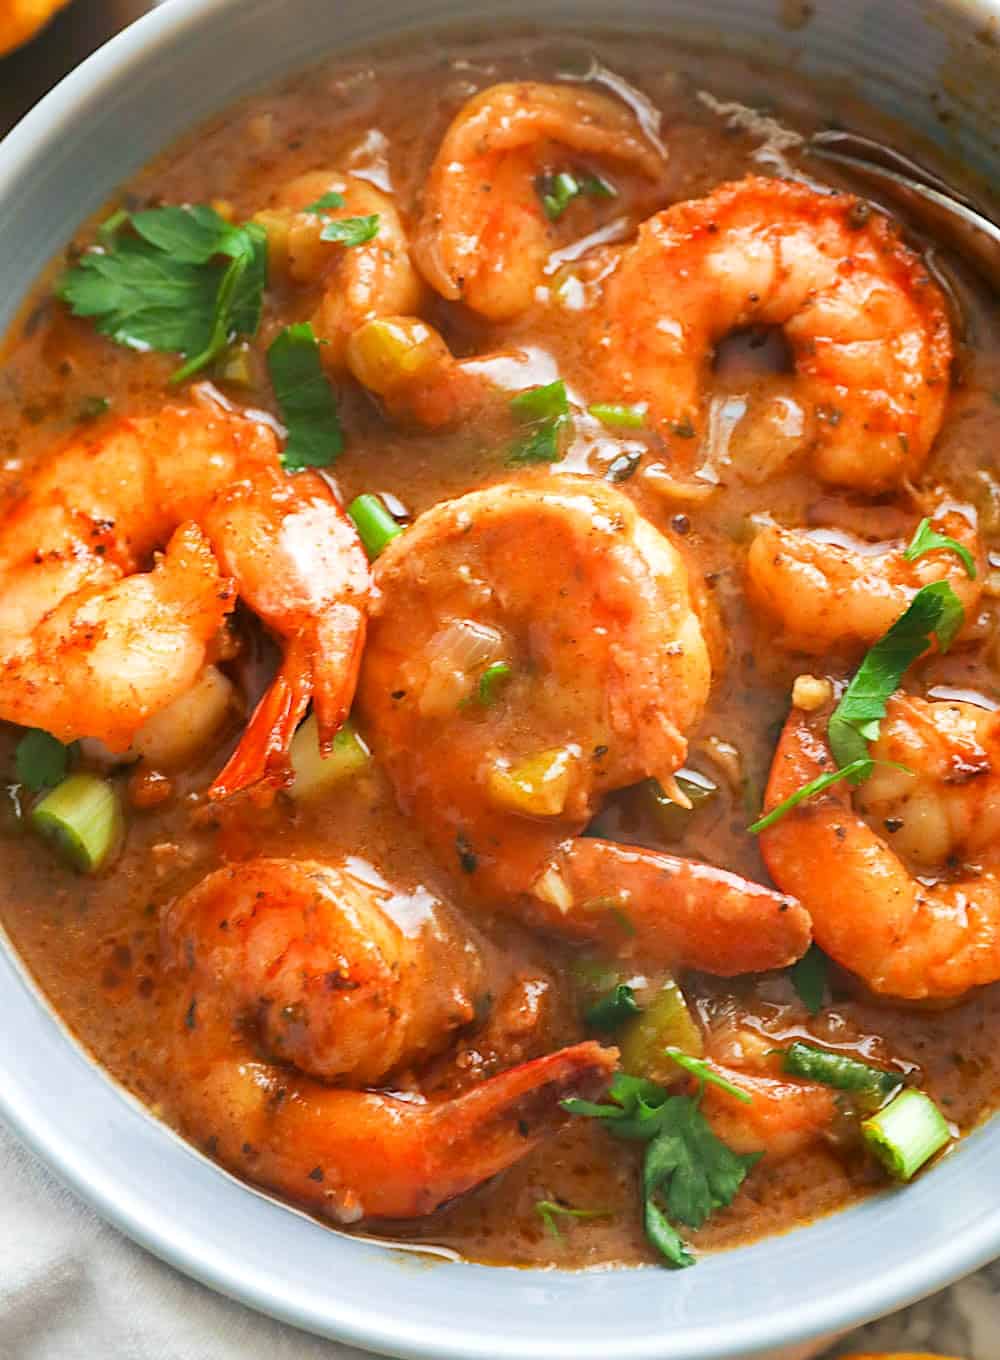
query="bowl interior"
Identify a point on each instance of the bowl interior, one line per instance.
(933, 65)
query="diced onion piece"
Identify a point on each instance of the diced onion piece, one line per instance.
(672, 818)
(906, 1133)
(535, 787)
(457, 655)
(314, 773)
(82, 817)
(665, 1023)
(186, 728)
(235, 365)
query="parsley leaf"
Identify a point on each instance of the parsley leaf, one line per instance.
(41, 760)
(351, 231)
(856, 771)
(306, 402)
(546, 410)
(925, 540)
(808, 977)
(935, 610)
(688, 1172)
(184, 280)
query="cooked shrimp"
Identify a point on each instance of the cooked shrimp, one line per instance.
(868, 329)
(588, 612)
(904, 934)
(829, 589)
(297, 973)
(781, 1118)
(92, 644)
(358, 282)
(484, 237)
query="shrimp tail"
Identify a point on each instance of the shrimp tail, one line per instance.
(673, 911)
(492, 1126)
(339, 643)
(262, 752)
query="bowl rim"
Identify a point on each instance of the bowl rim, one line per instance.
(37, 1119)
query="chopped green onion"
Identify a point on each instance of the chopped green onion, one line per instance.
(808, 977)
(836, 1069)
(374, 524)
(906, 1133)
(704, 1071)
(351, 231)
(612, 1010)
(625, 417)
(82, 817)
(548, 1209)
(491, 682)
(558, 191)
(41, 760)
(925, 540)
(665, 1023)
(314, 773)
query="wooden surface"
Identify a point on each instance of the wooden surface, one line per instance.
(26, 74)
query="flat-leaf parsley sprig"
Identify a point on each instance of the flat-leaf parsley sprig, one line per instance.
(934, 613)
(688, 1172)
(176, 279)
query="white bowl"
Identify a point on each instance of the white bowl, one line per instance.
(174, 67)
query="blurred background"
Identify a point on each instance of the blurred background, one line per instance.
(29, 70)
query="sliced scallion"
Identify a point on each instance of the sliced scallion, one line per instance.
(906, 1133)
(838, 1070)
(82, 817)
(623, 417)
(375, 525)
(314, 773)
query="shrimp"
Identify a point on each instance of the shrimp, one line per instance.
(582, 613)
(905, 935)
(781, 1118)
(92, 644)
(829, 589)
(296, 974)
(357, 282)
(868, 329)
(484, 238)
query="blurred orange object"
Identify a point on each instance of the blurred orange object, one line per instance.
(22, 19)
(899, 1355)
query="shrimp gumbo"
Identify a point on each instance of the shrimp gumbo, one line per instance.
(499, 634)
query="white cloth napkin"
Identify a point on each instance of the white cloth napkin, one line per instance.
(72, 1288)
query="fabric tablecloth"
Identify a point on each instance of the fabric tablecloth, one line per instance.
(73, 1288)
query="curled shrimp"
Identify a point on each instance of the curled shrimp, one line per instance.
(484, 238)
(583, 614)
(867, 327)
(906, 934)
(94, 644)
(296, 974)
(829, 589)
(355, 282)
